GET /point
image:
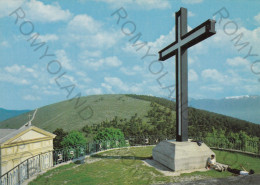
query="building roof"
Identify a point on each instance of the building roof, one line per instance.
(5, 132)
(10, 133)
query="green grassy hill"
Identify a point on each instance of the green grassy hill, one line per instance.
(106, 107)
(64, 115)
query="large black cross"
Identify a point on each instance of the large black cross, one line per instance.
(183, 41)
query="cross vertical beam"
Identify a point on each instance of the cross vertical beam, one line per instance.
(183, 41)
(181, 78)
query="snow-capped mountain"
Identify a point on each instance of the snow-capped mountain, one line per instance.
(246, 107)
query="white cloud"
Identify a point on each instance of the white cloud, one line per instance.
(4, 44)
(69, 80)
(89, 54)
(211, 88)
(191, 1)
(144, 4)
(81, 74)
(193, 76)
(190, 14)
(83, 77)
(38, 11)
(238, 61)
(63, 59)
(220, 80)
(94, 64)
(230, 79)
(86, 80)
(156, 45)
(86, 32)
(35, 87)
(119, 84)
(131, 71)
(212, 74)
(107, 87)
(127, 71)
(8, 6)
(116, 82)
(13, 79)
(31, 98)
(98, 63)
(137, 68)
(192, 60)
(161, 42)
(257, 18)
(13, 69)
(48, 37)
(94, 91)
(136, 88)
(23, 75)
(49, 92)
(84, 22)
(153, 4)
(45, 89)
(232, 42)
(200, 48)
(16, 69)
(112, 61)
(255, 68)
(157, 90)
(252, 88)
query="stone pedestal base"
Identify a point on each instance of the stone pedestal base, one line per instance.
(182, 155)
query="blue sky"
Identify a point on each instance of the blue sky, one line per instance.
(92, 54)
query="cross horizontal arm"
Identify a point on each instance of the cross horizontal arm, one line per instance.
(208, 26)
(191, 38)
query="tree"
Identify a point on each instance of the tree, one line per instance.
(74, 138)
(87, 129)
(111, 134)
(60, 134)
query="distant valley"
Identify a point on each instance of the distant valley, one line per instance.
(6, 114)
(241, 107)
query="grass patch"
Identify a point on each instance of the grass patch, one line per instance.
(235, 160)
(125, 166)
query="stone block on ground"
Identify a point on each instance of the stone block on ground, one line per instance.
(179, 156)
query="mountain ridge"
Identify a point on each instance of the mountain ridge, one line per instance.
(6, 114)
(245, 107)
(124, 106)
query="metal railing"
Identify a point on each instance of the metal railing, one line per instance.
(27, 168)
(36, 164)
(71, 153)
(243, 145)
